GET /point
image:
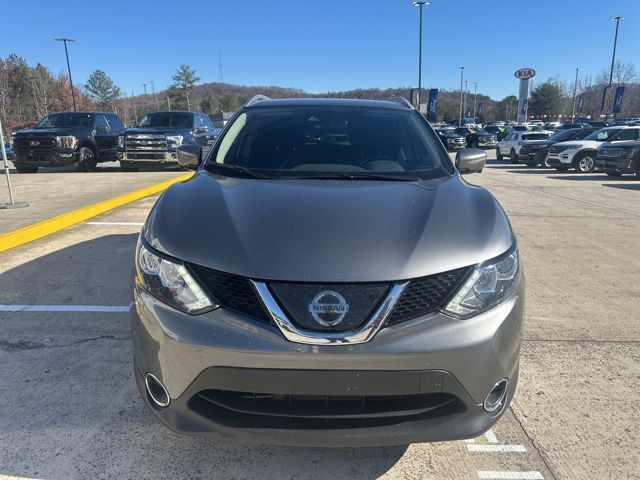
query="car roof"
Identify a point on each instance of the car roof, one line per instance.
(329, 102)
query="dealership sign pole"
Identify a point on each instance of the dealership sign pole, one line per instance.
(524, 74)
(12, 203)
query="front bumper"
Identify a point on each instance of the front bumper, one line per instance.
(562, 159)
(45, 158)
(222, 353)
(616, 165)
(487, 144)
(147, 157)
(532, 157)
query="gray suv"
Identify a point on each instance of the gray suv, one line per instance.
(326, 278)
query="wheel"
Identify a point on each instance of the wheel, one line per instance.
(498, 154)
(562, 169)
(26, 169)
(88, 160)
(513, 157)
(585, 163)
(128, 168)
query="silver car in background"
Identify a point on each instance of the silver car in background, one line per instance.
(327, 278)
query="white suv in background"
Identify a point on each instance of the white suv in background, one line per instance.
(581, 154)
(511, 144)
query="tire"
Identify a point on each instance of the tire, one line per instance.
(513, 157)
(585, 163)
(562, 169)
(88, 160)
(498, 154)
(26, 169)
(616, 174)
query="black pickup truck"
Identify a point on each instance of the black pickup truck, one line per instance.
(59, 139)
(154, 141)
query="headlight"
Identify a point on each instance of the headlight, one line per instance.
(573, 147)
(171, 282)
(11, 137)
(176, 140)
(121, 141)
(489, 284)
(68, 141)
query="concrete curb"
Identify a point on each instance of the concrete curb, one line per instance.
(55, 224)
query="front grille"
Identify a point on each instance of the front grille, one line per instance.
(145, 143)
(427, 294)
(26, 143)
(231, 292)
(267, 410)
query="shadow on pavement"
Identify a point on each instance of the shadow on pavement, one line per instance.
(624, 186)
(70, 408)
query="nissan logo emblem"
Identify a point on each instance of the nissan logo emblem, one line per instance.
(328, 308)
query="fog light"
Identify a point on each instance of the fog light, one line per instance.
(496, 398)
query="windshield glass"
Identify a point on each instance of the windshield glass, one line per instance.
(602, 135)
(535, 136)
(562, 135)
(167, 120)
(325, 142)
(69, 120)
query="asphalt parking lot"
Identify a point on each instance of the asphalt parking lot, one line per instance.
(69, 407)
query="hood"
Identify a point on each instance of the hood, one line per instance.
(156, 131)
(328, 230)
(34, 132)
(584, 143)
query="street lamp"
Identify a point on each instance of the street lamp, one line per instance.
(461, 92)
(475, 99)
(466, 94)
(573, 103)
(419, 5)
(605, 106)
(65, 40)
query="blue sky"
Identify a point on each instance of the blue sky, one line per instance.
(323, 45)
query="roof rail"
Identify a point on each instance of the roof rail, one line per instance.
(402, 101)
(255, 99)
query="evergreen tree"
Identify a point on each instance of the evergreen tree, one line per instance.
(101, 89)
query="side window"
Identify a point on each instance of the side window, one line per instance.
(626, 134)
(101, 122)
(207, 122)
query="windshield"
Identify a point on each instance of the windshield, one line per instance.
(167, 120)
(69, 120)
(535, 136)
(330, 142)
(602, 135)
(563, 135)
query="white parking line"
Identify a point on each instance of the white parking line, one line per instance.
(115, 223)
(495, 448)
(532, 475)
(66, 308)
(490, 436)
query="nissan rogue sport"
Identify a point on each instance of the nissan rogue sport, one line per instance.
(327, 278)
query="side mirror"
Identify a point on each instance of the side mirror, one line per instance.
(190, 156)
(470, 160)
(202, 129)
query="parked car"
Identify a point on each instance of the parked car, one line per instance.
(618, 159)
(478, 138)
(451, 139)
(517, 128)
(85, 138)
(498, 130)
(511, 144)
(253, 320)
(581, 154)
(154, 141)
(536, 154)
(567, 126)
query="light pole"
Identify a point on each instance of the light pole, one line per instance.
(466, 94)
(461, 93)
(605, 104)
(65, 40)
(573, 104)
(419, 5)
(475, 99)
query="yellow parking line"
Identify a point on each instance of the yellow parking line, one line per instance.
(55, 224)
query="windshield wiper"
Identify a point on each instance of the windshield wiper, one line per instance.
(359, 176)
(235, 169)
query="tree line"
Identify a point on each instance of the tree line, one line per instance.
(28, 93)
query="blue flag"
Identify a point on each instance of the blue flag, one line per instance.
(617, 102)
(433, 101)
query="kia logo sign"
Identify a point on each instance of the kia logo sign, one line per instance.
(525, 73)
